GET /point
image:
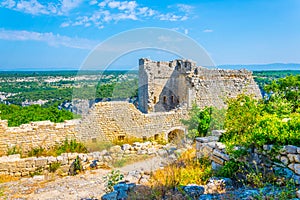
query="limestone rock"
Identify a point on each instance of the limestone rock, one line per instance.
(193, 191)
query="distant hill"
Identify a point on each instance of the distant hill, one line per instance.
(262, 67)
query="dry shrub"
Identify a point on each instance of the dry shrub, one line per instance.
(127, 140)
(186, 170)
(7, 178)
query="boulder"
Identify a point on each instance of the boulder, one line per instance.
(193, 191)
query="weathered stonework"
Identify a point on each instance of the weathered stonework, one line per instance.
(113, 120)
(36, 134)
(164, 86)
(289, 166)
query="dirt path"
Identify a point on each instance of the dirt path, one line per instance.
(83, 186)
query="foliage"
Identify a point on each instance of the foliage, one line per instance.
(201, 121)
(14, 150)
(253, 123)
(198, 122)
(38, 171)
(54, 166)
(70, 147)
(39, 151)
(76, 167)
(187, 169)
(112, 179)
(67, 146)
(17, 115)
(287, 88)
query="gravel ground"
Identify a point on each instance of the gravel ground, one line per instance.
(83, 186)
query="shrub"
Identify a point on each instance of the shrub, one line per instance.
(198, 122)
(14, 150)
(54, 166)
(187, 169)
(112, 179)
(127, 140)
(39, 151)
(70, 147)
(76, 167)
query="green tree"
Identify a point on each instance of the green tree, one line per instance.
(198, 122)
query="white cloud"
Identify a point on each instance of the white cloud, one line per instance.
(172, 17)
(106, 11)
(67, 5)
(8, 3)
(49, 38)
(34, 7)
(184, 8)
(208, 31)
(93, 2)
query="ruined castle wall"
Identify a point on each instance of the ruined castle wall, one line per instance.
(160, 84)
(180, 82)
(36, 134)
(113, 119)
(212, 87)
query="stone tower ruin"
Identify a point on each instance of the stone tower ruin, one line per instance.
(164, 86)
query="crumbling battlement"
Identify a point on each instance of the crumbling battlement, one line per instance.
(164, 86)
(36, 134)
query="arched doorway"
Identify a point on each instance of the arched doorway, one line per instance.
(175, 135)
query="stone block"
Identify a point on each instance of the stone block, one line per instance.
(21, 164)
(291, 157)
(215, 166)
(297, 169)
(126, 147)
(217, 133)
(290, 149)
(206, 151)
(220, 145)
(217, 160)
(40, 162)
(291, 166)
(115, 149)
(297, 158)
(284, 160)
(207, 139)
(221, 155)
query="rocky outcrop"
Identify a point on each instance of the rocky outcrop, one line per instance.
(285, 164)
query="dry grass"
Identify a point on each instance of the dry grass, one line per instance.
(127, 140)
(186, 170)
(98, 146)
(7, 178)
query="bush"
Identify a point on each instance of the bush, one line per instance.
(39, 151)
(112, 179)
(54, 166)
(14, 150)
(187, 169)
(70, 147)
(76, 167)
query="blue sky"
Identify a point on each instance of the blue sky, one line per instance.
(60, 34)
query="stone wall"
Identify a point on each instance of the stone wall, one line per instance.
(287, 164)
(35, 134)
(106, 121)
(113, 120)
(15, 166)
(164, 86)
